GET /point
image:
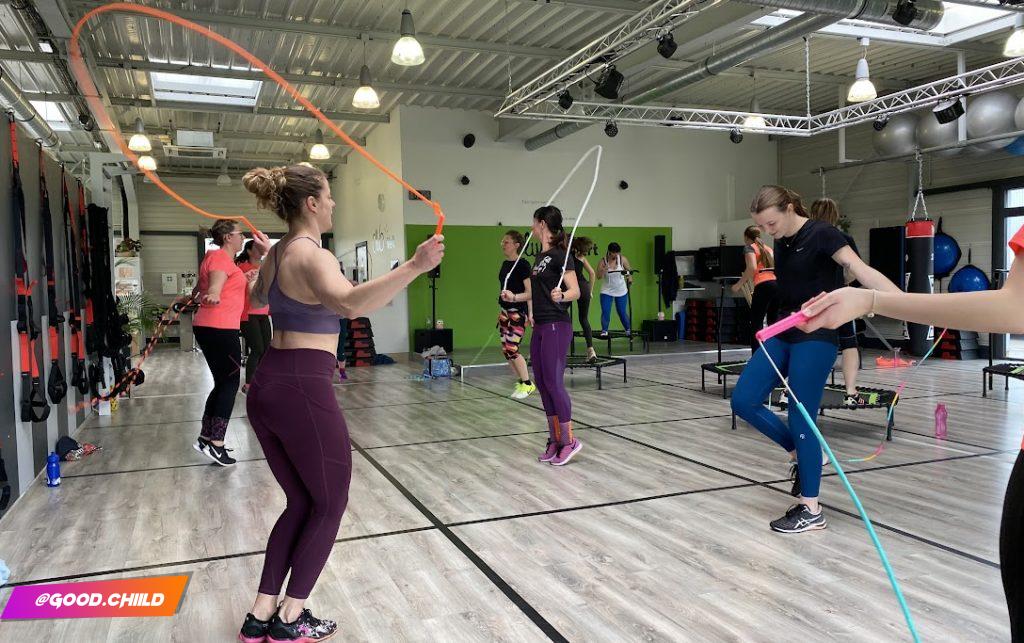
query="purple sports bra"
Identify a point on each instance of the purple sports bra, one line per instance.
(288, 314)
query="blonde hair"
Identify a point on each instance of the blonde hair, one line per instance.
(765, 258)
(283, 189)
(825, 210)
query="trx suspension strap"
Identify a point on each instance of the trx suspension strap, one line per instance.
(78, 377)
(34, 407)
(84, 249)
(56, 385)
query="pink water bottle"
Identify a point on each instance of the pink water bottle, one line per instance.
(940, 421)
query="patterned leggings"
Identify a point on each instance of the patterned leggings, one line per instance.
(512, 327)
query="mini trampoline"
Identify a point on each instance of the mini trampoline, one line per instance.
(724, 370)
(833, 399)
(602, 362)
(1006, 371)
(612, 334)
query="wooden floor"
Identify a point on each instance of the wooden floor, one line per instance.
(658, 530)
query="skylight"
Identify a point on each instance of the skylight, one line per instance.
(52, 114)
(204, 89)
(958, 16)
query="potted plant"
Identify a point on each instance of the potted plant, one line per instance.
(143, 314)
(128, 248)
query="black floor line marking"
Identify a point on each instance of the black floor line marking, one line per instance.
(915, 463)
(517, 599)
(896, 430)
(701, 417)
(474, 437)
(176, 466)
(206, 559)
(388, 406)
(783, 491)
(132, 425)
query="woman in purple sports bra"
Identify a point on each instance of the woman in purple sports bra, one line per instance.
(291, 403)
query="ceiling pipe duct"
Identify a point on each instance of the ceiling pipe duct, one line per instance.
(930, 12)
(14, 101)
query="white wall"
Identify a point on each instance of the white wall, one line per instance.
(685, 179)
(357, 191)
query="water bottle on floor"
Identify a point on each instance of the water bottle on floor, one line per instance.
(52, 470)
(940, 421)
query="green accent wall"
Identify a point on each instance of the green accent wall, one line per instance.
(467, 292)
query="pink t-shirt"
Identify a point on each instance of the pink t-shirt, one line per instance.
(245, 267)
(228, 313)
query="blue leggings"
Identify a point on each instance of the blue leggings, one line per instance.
(620, 307)
(812, 361)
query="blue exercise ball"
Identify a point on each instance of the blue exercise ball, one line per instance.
(970, 278)
(1016, 147)
(947, 253)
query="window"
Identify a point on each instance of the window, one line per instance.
(1014, 199)
(204, 89)
(52, 114)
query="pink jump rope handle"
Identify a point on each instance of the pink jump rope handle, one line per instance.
(782, 325)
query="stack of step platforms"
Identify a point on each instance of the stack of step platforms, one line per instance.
(959, 344)
(702, 321)
(360, 350)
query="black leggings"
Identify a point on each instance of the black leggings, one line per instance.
(223, 354)
(765, 302)
(256, 332)
(583, 304)
(1011, 548)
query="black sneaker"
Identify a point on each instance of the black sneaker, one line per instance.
(253, 630)
(854, 400)
(794, 475)
(797, 519)
(214, 452)
(305, 629)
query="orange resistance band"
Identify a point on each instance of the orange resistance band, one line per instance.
(88, 87)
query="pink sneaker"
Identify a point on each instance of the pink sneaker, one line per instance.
(550, 452)
(566, 453)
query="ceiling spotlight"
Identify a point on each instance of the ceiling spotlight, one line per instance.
(948, 111)
(736, 136)
(880, 123)
(1015, 43)
(609, 83)
(611, 129)
(86, 121)
(139, 142)
(319, 151)
(905, 12)
(407, 51)
(365, 97)
(147, 163)
(667, 45)
(565, 100)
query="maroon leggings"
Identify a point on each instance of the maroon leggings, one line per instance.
(292, 409)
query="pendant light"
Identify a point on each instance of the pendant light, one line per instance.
(365, 97)
(1014, 47)
(754, 121)
(319, 151)
(147, 163)
(139, 142)
(862, 89)
(223, 180)
(407, 51)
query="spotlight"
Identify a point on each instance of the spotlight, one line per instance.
(609, 83)
(468, 141)
(565, 100)
(736, 136)
(880, 123)
(86, 121)
(905, 12)
(464, 179)
(623, 185)
(948, 111)
(667, 45)
(611, 129)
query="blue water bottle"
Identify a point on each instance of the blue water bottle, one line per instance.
(52, 470)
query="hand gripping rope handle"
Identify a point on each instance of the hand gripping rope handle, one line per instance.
(597, 149)
(88, 88)
(766, 334)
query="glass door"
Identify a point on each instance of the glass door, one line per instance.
(1008, 218)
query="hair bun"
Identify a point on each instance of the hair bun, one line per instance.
(266, 184)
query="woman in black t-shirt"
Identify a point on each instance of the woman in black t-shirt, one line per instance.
(806, 254)
(552, 290)
(514, 317)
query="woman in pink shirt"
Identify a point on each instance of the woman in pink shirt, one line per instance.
(255, 325)
(222, 299)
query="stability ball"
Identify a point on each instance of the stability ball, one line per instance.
(1016, 147)
(932, 133)
(989, 114)
(947, 253)
(970, 278)
(1018, 115)
(898, 136)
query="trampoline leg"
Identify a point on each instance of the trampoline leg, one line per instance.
(599, 378)
(725, 385)
(624, 371)
(733, 421)
(888, 429)
(702, 371)
(984, 387)
(1006, 380)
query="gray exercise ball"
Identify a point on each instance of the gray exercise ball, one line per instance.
(932, 133)
(898, 136)
(1018, 117)
(990, 114)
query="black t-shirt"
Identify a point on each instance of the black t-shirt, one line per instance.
(547, 270)
(804, 267)
(516, 283)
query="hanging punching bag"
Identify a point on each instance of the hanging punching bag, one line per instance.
(920, 262)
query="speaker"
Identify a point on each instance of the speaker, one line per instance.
(720, 261)
(659, 253)
(887, 250)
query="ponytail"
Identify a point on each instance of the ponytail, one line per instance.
(764, 257)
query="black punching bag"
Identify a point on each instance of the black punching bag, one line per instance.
(920, 262)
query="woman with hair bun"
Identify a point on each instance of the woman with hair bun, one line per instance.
(806, 255)
(291, 403)
(222, 289)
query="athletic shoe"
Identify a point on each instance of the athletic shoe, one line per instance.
(523, 391)
(854, 400)
(244, 389)
(794, 475)
(603, 334)
(214, 452)
(799, 518)
(550, 452)
(566, 452)
(305, 629)
(253, 630)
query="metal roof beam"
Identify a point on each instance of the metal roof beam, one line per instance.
(207, 108)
